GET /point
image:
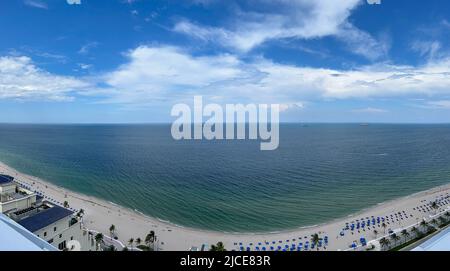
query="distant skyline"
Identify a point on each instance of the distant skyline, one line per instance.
(130, 61)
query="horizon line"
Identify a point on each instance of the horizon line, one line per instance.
(164, 122)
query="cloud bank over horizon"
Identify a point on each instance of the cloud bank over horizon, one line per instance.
(300, 54)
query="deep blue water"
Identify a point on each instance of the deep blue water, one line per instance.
(319, 172)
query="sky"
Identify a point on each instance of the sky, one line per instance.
(130, 61)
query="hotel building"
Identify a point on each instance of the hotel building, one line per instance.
(59, 226)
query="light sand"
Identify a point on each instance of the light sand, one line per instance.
(100, 214)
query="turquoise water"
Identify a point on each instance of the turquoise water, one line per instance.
(319, 172)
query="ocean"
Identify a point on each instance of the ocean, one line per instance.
(319, 172)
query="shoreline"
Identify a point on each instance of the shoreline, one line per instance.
(100, 214)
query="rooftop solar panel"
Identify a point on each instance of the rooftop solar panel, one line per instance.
(5, 179)
(45, 218)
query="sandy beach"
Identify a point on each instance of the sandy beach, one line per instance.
(100, 215)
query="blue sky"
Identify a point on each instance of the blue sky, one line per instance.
(132, 60)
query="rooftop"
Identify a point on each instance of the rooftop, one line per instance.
(18, 194)
(44, 218)
(4, 179)
(14, 237)
(439, 242)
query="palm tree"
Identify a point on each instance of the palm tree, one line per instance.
(315, 239)
(424, 224)
(150, 238)
(384, 242)
(384, 227)
(442, 220)
(98, 239)
(130, 242)
(447, 214)
(138, 241)
(414, 230)
(218, 247)
(434, 222)
(375, 232)
(395, 238)
(112, 230)
(66, 204)
(405, 234)
(112, 248)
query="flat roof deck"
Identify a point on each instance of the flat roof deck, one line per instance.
(14, 237)
(4, 179)
(439, 242)
(44, 218)
(13, 196)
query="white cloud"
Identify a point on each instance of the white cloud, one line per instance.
(291, 106)
(442, 104)
(36, 4)
(168, 73)
(362, 43)
(87, 47)
(20, 79)
(370, 110)
(84, 66)
(155, 73)
(302, 19)
(427, 48)
(74, 2)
